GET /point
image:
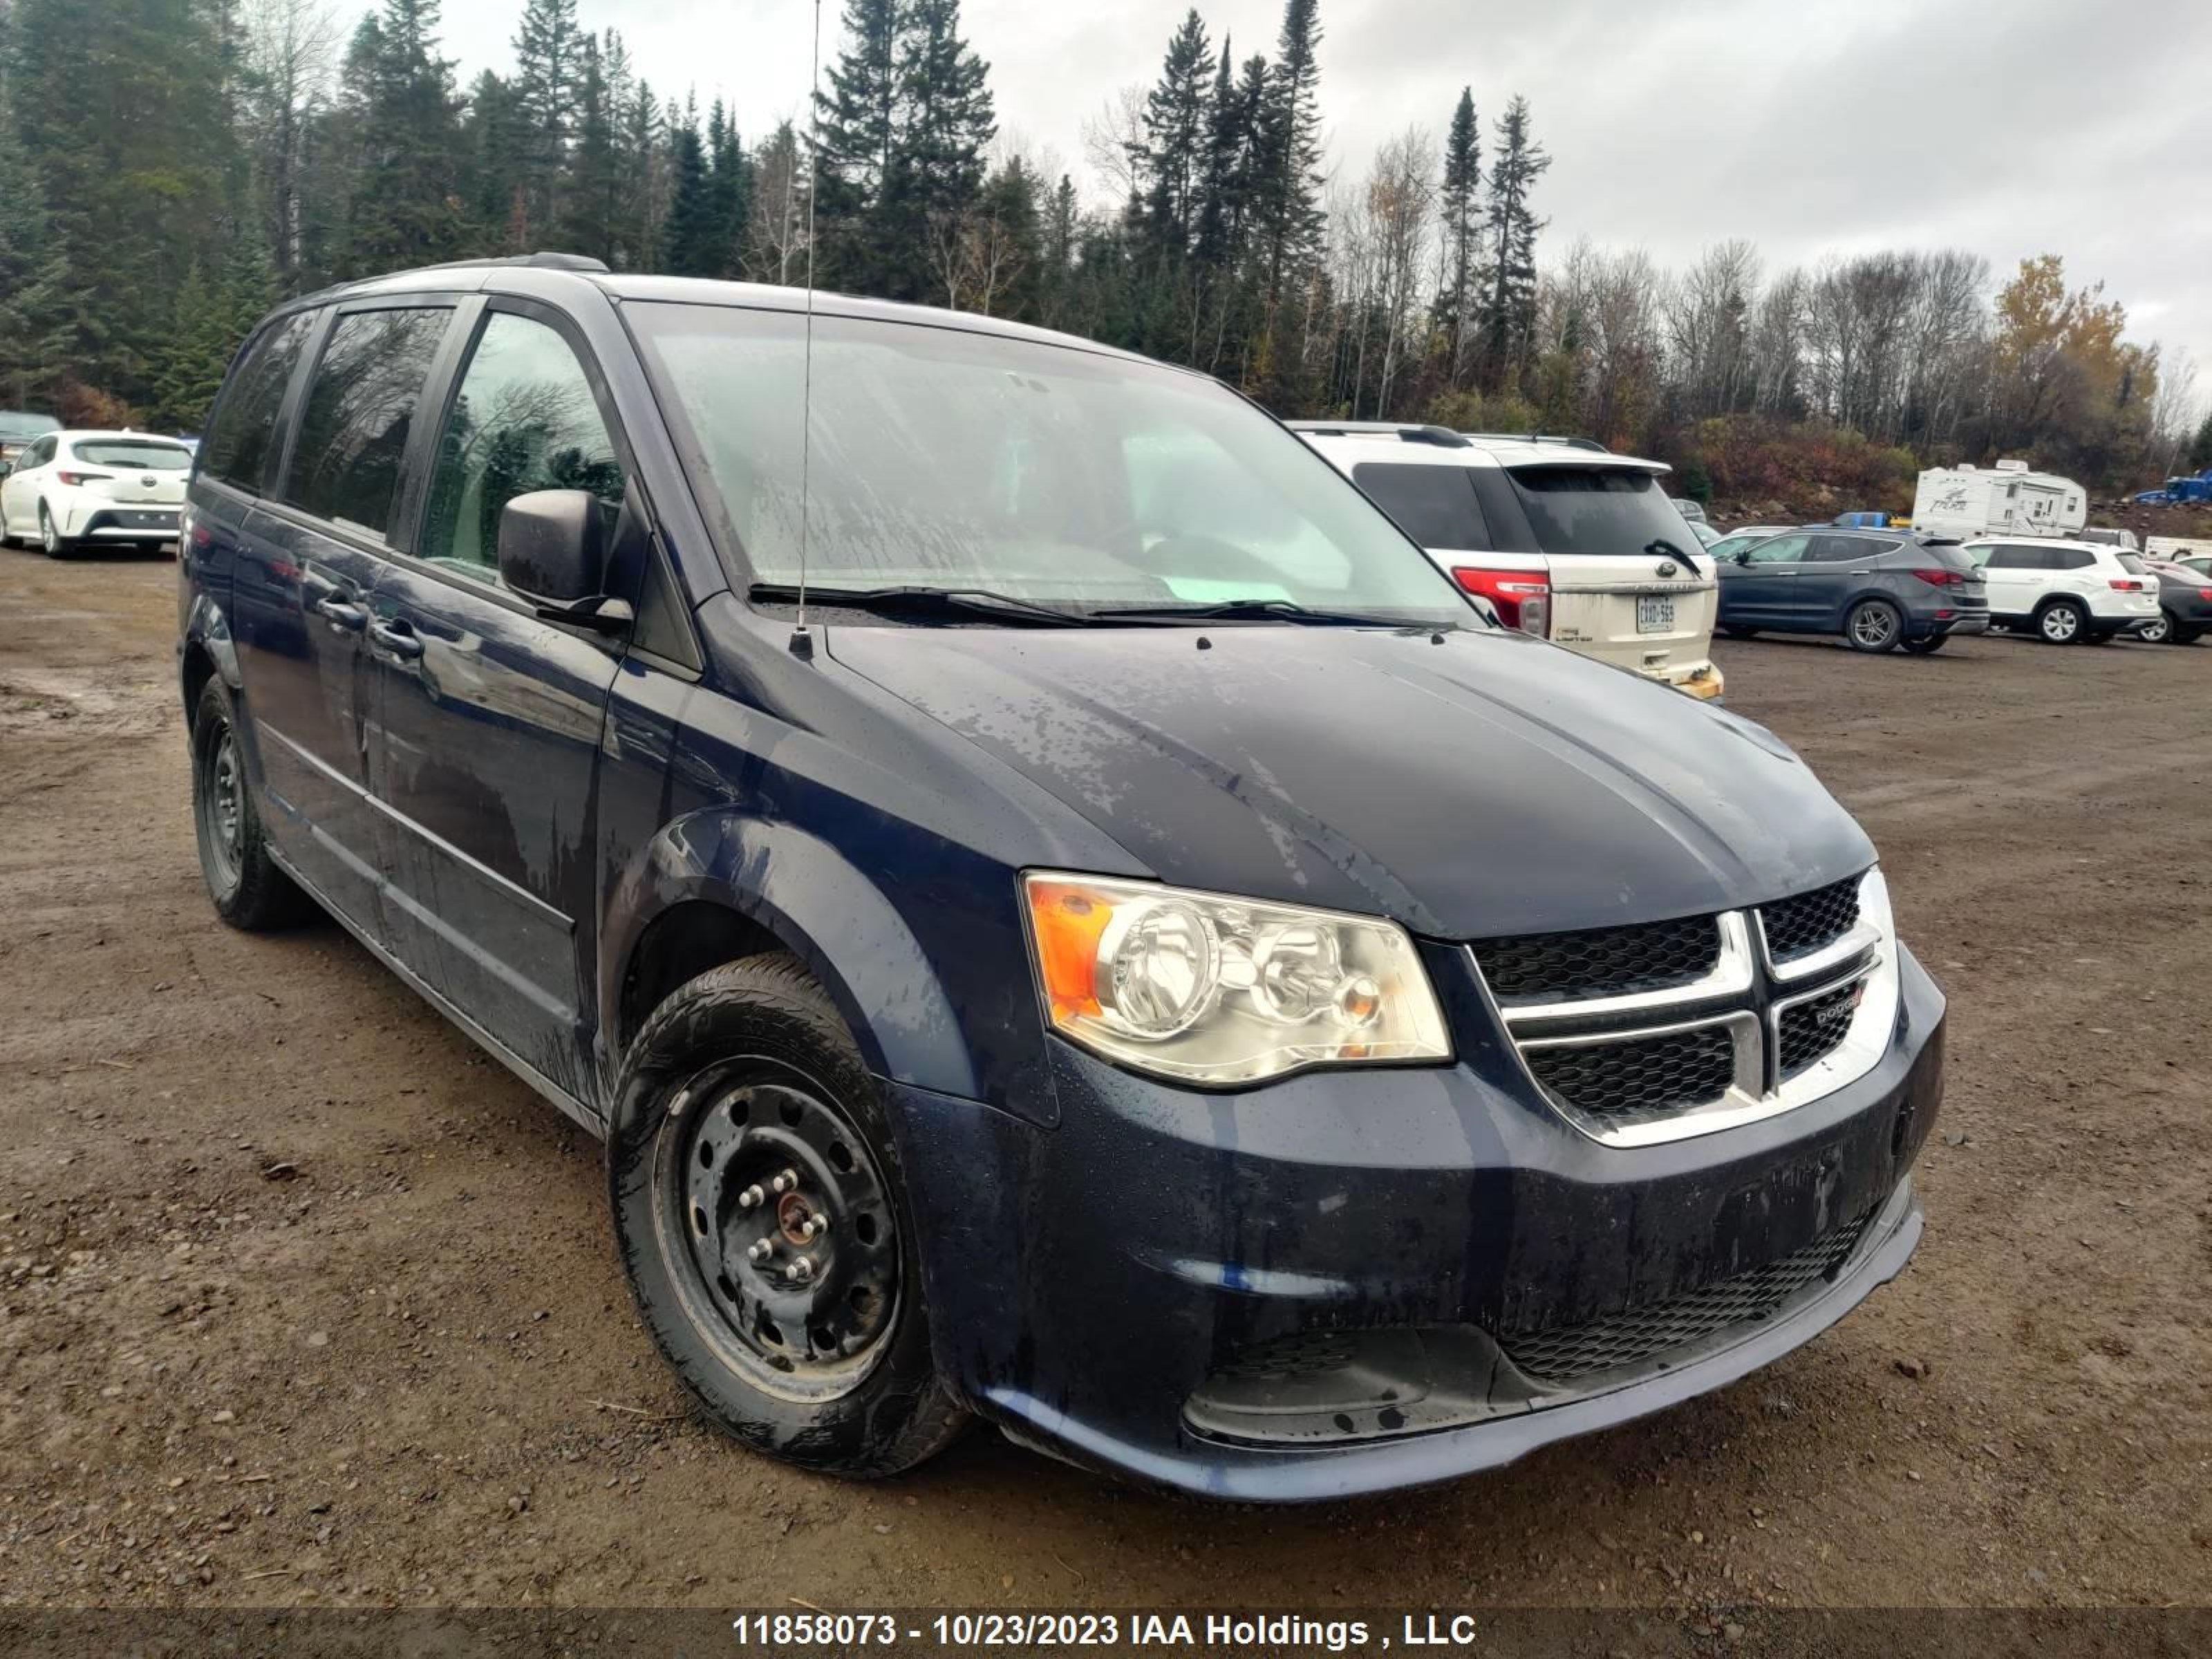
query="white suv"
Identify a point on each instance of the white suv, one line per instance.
(73, 488)
(2065, 591)
(1562, 539)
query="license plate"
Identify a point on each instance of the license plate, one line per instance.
(1654, 613)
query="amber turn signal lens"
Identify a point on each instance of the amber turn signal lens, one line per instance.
(1068, 922)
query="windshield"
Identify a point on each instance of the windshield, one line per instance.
(146, 457)
(1610, 511)
(950, 459)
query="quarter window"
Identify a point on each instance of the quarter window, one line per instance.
(353, 433)
(242, 439)
(1434, 505)
(523, 419)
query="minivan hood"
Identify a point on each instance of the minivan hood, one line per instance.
(1469, 785)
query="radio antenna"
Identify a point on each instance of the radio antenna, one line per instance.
(802, 641)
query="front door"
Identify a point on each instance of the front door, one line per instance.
(486, 719)
(1758, 591)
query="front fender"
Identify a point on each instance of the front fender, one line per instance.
(805, 891)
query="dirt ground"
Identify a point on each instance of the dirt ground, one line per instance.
(302, 1300)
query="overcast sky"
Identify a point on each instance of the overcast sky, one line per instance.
(1805, 126)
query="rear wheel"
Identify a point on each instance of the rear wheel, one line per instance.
(2062, 622)
(1874, 625)
(764, 1226)
(250, 892)
(1927, 644)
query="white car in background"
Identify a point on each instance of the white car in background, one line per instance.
(72, 489)
(2065, 591)
(1561, 538)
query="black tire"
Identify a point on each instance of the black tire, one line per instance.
(50, 538)
(247, 889)
(1874, 626)
(1738, 631)
(1927, 644)
(2167, 630)
(2062, 622)
(2184, 633)
(745, 1068)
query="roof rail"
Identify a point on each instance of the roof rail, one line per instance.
(1443, 436)
(544, 260)
(1591, 444)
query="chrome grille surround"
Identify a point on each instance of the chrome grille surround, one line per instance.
(1747, 993)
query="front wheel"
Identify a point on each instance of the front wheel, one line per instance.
(2062, 622)
(2160, 632)
(1874, 625)
(765, 1229)
(1927, 644)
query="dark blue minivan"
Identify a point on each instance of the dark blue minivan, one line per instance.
(1060, 913)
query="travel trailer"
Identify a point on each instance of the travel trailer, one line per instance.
(2006, 499)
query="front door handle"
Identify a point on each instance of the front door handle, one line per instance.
(341, 613)
(396, 637)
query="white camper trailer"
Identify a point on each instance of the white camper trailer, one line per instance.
(2005, 499)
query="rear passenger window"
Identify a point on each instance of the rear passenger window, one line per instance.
(1434, 505)
(523, 419)
(353, 433)
(242, 439)
(2069, 558)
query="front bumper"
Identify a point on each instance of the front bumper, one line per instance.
(1087, 1281)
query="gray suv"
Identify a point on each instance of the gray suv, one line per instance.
(1879, 589)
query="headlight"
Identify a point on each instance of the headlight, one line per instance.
(1212, 989)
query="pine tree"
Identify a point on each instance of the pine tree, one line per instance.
(729, 190)
(407, 208)
(644, 175)
(856, 136)
(591, 222)
(935, 180)
(1062, 221)
(548, 52)
(1173, 155)
(1289, 183)
(2200, 450)
(1462, 228)
(1220, 197)
(492, 146)
(692, 249)
(1510, 308)
(35, 333)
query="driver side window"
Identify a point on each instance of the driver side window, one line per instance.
(523, 420)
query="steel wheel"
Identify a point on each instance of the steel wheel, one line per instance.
(1873, 625)
(2060, 624)
(222, 810)
(780, 1229)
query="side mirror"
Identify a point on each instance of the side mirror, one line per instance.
(553, 552)
(552, 546)
(6, 467)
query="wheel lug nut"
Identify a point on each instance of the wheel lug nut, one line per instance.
(801, 1271)
(751, 1197)
(816, 1226)
(762, 1250)
(786, 1181)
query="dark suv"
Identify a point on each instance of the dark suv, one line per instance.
(1059, 911)
(1879, 589)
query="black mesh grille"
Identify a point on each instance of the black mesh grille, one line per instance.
(1812, 1027)
(1564, 1353)
(1303, 1354)
(1798, 926)
(1608, 961)
(1638, 1079)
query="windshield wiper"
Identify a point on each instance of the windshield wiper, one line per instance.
(914, 600)
(1667, 549)
(1251, 610)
